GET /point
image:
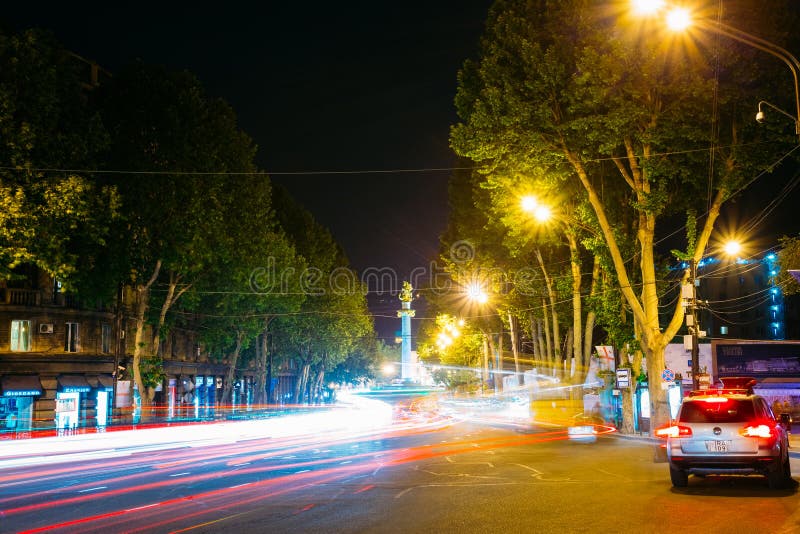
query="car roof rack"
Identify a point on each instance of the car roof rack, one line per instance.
(719, 391)
(731, 385)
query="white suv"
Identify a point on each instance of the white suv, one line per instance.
(727, 431)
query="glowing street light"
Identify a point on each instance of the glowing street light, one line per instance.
(540, 212)
(476, 293)
(732, 248)
(647, 7)
(678, 19)
(529, 203)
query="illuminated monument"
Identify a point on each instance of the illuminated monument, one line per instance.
(405, 314)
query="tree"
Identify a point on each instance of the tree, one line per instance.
(48, 218)
(333, 321)
(789, 259)
(176, 148)
(561, 87)
(244, 287)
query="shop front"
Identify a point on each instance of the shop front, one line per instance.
(103, 389)
(70, 405)
(17, 396)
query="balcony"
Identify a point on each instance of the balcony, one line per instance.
(21, 297)
(36, 297)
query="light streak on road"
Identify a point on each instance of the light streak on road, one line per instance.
(229, 465)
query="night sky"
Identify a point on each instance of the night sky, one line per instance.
(329, 91)
(323, 88)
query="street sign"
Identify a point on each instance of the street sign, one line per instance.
(668, 375)
(623, 377)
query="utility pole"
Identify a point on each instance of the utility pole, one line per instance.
(691, 321)
(118, 348)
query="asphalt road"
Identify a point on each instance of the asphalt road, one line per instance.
(421, 474)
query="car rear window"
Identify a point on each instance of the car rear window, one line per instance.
(727, 411)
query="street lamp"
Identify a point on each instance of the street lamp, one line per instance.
(541, 212)
(732, 248)
(679, 19)
(476, 293)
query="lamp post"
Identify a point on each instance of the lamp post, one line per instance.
(679, 18)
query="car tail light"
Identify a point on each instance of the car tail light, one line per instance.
(674, 431)
(758, 431)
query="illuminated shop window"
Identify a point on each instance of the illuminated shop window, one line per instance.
(20, 336)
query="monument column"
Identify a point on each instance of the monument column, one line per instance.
(405, 314)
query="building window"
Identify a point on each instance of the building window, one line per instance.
(723, 330)
(105, 337)
(20, 336)
(72, 341)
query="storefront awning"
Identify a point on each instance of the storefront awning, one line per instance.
(73, 384)
(20, 385)
(102, 382)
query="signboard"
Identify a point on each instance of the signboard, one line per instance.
(623, 377)
(65, 405)
(605, 357)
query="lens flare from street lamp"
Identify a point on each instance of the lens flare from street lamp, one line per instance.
(732, 248)
(647, 7)
(678, 19)
(542, 213)
(529, 203)
(475, 292)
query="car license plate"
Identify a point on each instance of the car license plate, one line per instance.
(717, 446)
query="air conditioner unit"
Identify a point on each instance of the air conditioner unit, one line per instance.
(46, 328)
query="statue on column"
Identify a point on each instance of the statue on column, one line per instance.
(405, 314)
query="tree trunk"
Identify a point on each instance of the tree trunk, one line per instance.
(551, 360)
(512, 327)
(499, 367)
(591, 316)
(551, 295)
(577, 311)
(172, 296)
(260, 385)
(302, 381)
(569, 363)
(485, 377)
(142, 301)
(543, 338)
(230, 374)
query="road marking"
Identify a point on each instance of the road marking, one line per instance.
(240, 485)
(239, 465)
(92, 489)
(180, 474)
(302, 471)
(346, 462)
(142, 507)
(538, 475)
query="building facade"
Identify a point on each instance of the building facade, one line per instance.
(61, 371)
